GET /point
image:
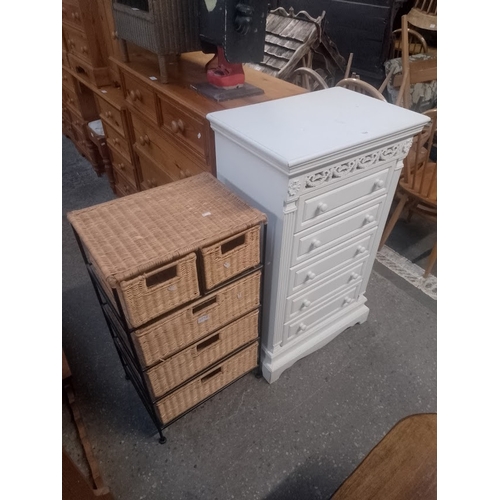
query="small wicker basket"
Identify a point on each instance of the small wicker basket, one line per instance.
(231, 257)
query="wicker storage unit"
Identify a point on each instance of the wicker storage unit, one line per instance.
(178, 273)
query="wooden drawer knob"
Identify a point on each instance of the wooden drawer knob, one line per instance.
(70, 100)
(177, 126)
(108, 114)
(144, 140)
(114, 35)
(310, 275)
(85, 49)
(322, 207)
(116, 142)
(65, 78)
(152, 183)
(135, 95)
(182, 174)
(121, 166)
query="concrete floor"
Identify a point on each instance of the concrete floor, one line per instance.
(298, 438)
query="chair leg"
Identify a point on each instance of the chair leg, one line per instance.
(392, 221)
(431, 260)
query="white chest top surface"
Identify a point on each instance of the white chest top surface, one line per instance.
(330, 122)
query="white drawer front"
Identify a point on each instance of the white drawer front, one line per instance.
(306, 323)
(315, 209)
(332, 232)
(311, 272)
(322, 291)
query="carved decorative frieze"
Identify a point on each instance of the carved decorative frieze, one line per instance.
(321, 177)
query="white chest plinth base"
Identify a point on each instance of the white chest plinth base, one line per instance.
(274, 365)
(324, 167)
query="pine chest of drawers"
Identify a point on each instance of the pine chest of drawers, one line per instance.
(324, 167)
(177, 270)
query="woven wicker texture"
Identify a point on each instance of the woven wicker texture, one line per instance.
(142, 231)
(243, 252)
(185, 364)
(216, 378)
(180, 329)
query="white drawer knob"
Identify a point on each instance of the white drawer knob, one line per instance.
(369, 218)
(310, 275)
(302, 327)
(322, 207)
(354, 276)
(379, 183)
(306, 303)
(348, 300)
(315, 243)
(361, 249)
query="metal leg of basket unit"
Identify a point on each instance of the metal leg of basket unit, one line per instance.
(162, 439)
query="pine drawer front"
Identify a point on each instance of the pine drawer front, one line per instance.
(323, 291)
(207, 384)
(230, 257)
(71, 14)
(67, 80)
(123, 166)
(111, 116)
(70, 99)
(305, 324)
(123, 186)
(140, 97)
(77, 44)
(324, 236)
(176, 331)
(315, 209)
(183, 127)
(149, 143)
(152, 175)
(78, 122)
(115, 140)
(192, 360)
(309, 273)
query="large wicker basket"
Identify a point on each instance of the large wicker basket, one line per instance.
(192, 360)
(179, 329)
(206, 384)
(140, 244)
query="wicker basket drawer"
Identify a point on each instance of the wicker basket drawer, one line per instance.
(230, 257)
(180, 329)
(187, 363)
(156, 292)
(207, 384)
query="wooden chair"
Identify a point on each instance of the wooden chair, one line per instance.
(416, 43)
(414, 72)
(417, 187)
(308, 79)
(424, 14)
(360, 86)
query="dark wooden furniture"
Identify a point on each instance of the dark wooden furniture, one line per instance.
(403, 466)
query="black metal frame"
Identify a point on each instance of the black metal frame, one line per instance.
(116, 321)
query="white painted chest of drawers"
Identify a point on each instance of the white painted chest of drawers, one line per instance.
(324, 166)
